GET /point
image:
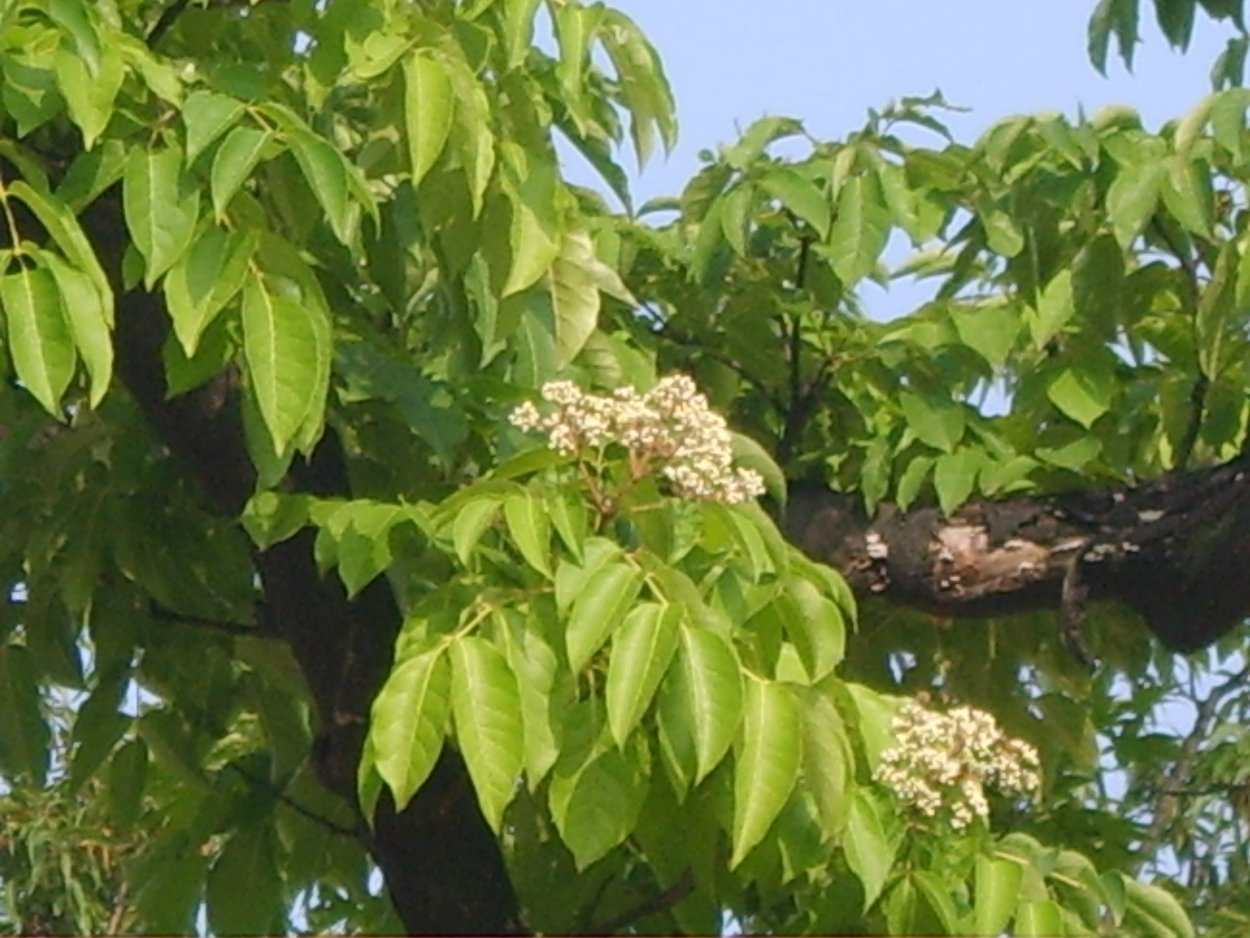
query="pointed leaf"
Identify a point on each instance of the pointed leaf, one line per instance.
(598, 610)
(245, 867)
(471, 522)
(768, 763)
(530, 529)
(574, 294)
(641, 652)
(860, 229)
(428, 108)
(84, 311)
(596, 806)
(208, 115)
(233, 163)
(24, 735)
(489, 726)
(997, 893)
(160, 208)
(204, 280)
(40, 340)
(408, 722)
(868, 851)
(701, 702)
(285, 350)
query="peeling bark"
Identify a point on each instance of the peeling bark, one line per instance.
(1175, 549)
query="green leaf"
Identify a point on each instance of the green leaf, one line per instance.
(327, 173)
(801, 196)
(997, 893)
(89, 98)
(24, 736)
(936, 422)
(989, 328)
(489, 727)
(570, 517)
(571, 578)
(233, 163)
(428, 111)
(828, 760)
(530, 529)
(1188, 194)
(245, 867)
(285, 349)
(641, 652)
(40, 339)
(869, 853)
(98, 726)
(204, 280)
(860, 229)
(643, 86)
(749, 454)
(208, 115)
(85, 313)
(55, 215)
(700, 703)
(533, 237)
(1055, 307)
(814, 623)
(599, 608)
(596, 806)
(1038, 918)
(127, 777)
(912, 479)
(518, 29)
(72, 16)
(1132, 198)
(954, 477)
(538, 673)
(161, 209)
(767, 765)
(471, 522)
(408, 722)
(1155, 912)
(574, 294)
(1085, 390)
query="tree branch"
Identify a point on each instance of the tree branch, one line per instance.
(1178, 777)
(1174, 549)
(165, 22)
(652, 905)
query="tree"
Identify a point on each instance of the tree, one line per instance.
(378, 560)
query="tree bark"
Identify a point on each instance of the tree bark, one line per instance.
(1175, 549)
(442, 864)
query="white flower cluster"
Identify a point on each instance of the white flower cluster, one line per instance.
(946, 760)
(669, 428)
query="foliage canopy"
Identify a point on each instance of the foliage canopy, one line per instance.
(293, 602)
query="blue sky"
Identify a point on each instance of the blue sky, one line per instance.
(827, 61)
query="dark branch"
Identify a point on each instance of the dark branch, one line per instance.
(169, 16)
(650, 906)
(1179, 775)
(331, 825)
(1174, 549)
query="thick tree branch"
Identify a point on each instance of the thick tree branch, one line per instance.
(1174, 549)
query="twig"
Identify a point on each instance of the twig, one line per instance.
(650, 906)
(237, 629)
(333, 826)
(169, 16)
(1175, 783)
(663, 331)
